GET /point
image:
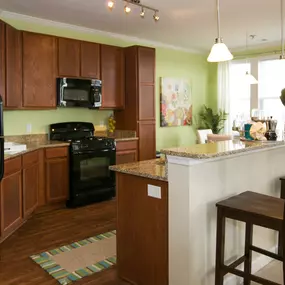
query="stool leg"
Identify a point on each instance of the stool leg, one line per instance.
(220, 248)
(248, 253)
(280, 243)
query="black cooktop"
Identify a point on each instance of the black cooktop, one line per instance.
(80, 135)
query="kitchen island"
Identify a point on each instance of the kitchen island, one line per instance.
(172, 240)
(201, 175)
(142, 228)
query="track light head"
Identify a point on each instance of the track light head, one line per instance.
(156, 17)
(127, 9)
(111, 5)
(142, 13)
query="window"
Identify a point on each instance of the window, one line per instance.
(271, 77)
(239, 91)
(265, 96)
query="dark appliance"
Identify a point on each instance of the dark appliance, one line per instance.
(79, 93)
(90, 158)
(1, 140)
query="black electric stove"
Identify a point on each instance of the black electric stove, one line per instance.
(90, 158)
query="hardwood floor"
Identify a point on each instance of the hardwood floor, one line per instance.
(48, 230)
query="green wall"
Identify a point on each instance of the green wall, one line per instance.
(169, 63)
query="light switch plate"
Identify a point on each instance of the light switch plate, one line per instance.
(154, 191)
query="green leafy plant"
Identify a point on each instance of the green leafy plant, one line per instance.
(210, 120)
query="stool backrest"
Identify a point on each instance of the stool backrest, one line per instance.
(215, 137)
(202, 135)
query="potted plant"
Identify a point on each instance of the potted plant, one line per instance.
(211, 120)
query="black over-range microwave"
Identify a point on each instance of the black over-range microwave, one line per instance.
(79, 92)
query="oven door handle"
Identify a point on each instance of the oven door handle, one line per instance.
(94, 152)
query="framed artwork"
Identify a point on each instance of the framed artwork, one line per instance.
(175, 102)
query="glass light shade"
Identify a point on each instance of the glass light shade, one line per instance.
(250, 79)
(219, 53)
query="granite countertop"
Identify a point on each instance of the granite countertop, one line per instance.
(119, 135)
(153, 169)
(31, 146)
(219, 149)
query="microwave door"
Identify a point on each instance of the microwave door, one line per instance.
(73, 96)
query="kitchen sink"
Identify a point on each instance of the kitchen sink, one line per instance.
(12, 147)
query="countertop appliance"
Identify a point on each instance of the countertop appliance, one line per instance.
(90, 158)
(79, 93)
(1, 140)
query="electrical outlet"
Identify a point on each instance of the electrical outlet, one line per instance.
(154, 191)
(29, 128)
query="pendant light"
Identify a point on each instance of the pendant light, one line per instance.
(249, 78)
(219, 51)
(282, 56)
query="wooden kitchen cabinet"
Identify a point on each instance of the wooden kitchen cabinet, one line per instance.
(57, 174)
(146, 67)
(147, 140)
(139, 113)
(11, 197)
(90, 60)
(113, 77)
(30, 182)
(146, 103)
(126, 151)
(68, 57)
(39, 71)
(78, 59)
(14, 73)
(2, 61)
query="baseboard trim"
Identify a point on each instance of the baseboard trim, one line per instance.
(257, 265)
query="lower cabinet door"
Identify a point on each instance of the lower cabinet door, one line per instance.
(146, 133)
(11, 203)
(30, 188)
(126, 156)
(57, 184)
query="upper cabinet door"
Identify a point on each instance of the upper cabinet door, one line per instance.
(146, 65)
(68, 58)
(113, 77)
(90, 60)
(39, 71)
(2, 62)
(13, 67)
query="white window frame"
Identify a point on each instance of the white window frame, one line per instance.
(254, 98)
(237, 61)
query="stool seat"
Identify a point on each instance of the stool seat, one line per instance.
(253, 209)
(255, 203)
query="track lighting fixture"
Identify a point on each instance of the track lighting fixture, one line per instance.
(111, 5)
(127, 8)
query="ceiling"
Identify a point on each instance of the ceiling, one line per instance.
(186, 24)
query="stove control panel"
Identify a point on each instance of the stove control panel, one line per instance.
(93, 144)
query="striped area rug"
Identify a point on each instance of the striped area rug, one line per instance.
(74, 261)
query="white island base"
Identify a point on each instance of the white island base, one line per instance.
(195, 185)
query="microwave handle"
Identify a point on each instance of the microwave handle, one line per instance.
(62, 87)
(92, 94)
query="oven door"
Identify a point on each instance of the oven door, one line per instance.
(90, 171)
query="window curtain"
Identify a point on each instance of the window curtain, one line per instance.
(224, 93)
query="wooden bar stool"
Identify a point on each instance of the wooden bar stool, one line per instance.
(253, 209)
